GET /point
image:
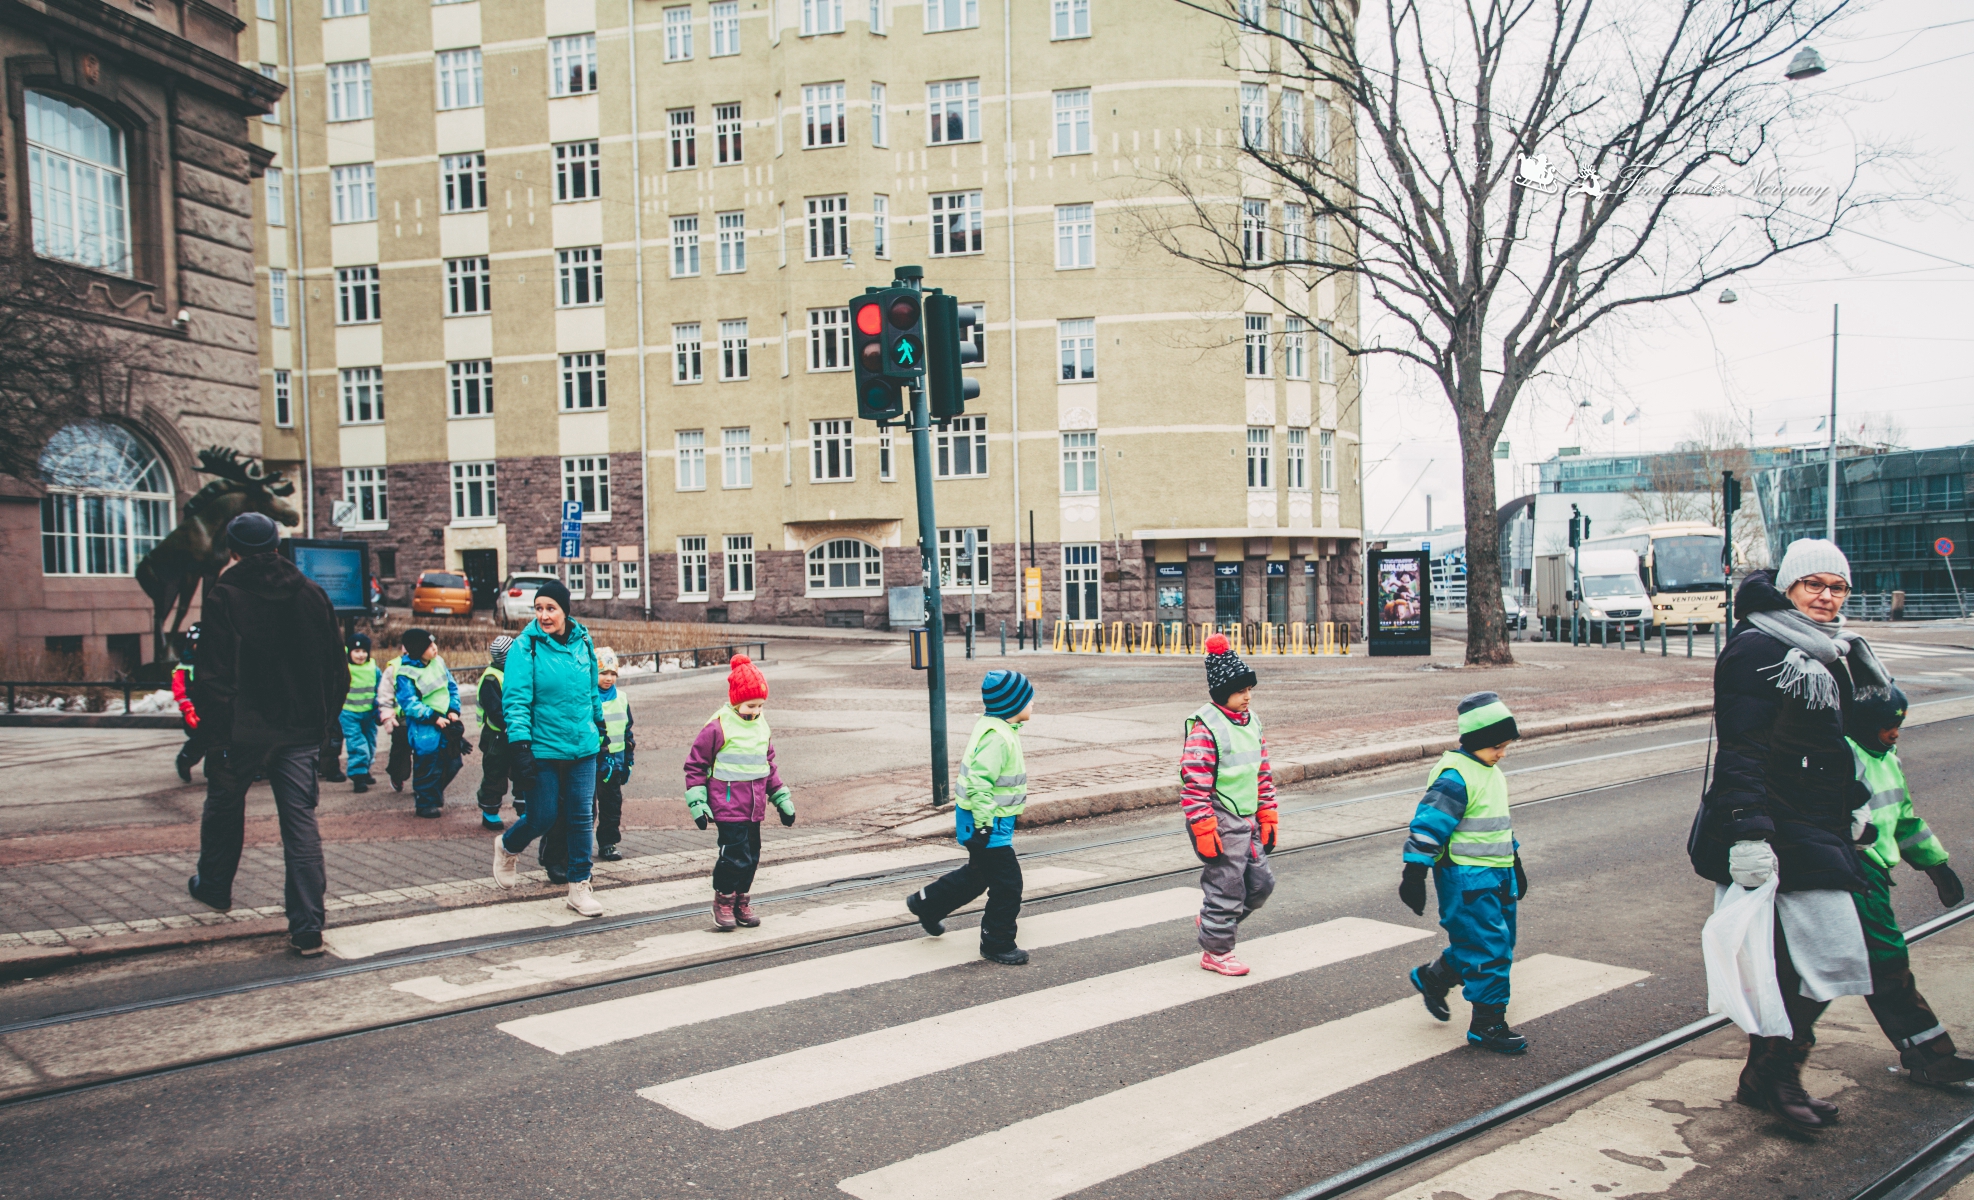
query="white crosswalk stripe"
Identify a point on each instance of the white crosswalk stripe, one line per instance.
(769, 1087)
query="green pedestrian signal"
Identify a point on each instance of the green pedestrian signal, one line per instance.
(904, 334)
(906, 355)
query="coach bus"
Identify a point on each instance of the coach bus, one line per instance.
(1681, 563)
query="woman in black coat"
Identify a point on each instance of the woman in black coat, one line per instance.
(1784, 799)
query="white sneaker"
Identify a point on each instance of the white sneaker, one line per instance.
(582, 901)
(505, 873)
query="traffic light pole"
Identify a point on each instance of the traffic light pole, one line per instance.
(919, 420)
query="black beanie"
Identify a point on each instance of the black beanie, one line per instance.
(1871, 710)
(1225, 672)
(557, 591)
(415, 641)
(252, 533)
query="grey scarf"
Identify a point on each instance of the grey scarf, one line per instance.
(1804, 672)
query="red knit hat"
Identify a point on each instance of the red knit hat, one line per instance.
(745, 681)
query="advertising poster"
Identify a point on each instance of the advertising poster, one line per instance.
(1400, 602)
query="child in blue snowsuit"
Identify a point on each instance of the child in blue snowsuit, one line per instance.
(428, 704)
(1462, 832)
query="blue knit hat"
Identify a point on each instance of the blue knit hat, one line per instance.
(1005, 693)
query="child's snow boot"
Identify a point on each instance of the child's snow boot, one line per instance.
(1489, 1030)
(743, 911)
(1433, 987)
(931, 925)
(333, 773)
(723, 912)
(362, 782)
(1013, 956)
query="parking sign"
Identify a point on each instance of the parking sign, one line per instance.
(572, 510)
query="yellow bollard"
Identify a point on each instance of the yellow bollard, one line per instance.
(1056, 644)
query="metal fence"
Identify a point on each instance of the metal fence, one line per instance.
(1917, 606)
(1179, 637)
(690, 657)
(126, 686)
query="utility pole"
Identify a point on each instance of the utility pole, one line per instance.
(1830, 521)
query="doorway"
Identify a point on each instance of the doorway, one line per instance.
(1278, 596)
(482, 571)
(1080, 597)
(1226, 593)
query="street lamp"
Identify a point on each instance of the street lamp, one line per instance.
(1806, 63)
(1727, 296)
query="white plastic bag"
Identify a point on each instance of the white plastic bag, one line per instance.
(1738, 943)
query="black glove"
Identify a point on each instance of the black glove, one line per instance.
(1412, 887)
(1521, 879)
(1948, 883)
(787, 818)
(521, 764)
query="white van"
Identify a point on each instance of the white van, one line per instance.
(1613, 592)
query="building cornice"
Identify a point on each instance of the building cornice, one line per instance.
(115, 29)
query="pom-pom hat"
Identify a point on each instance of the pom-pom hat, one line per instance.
(1225, 672)
(745, 681)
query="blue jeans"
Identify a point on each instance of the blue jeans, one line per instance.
(359, 739)
(561, 787)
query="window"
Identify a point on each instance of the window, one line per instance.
(877, 16)
(1323, 238)
(685, 247)
(1080, 594)
(584, 382)
(1325, 362)
(264, 9)
(953, 108)
(1328, 447)
(273, 115)
(1296, 468)
(979, 332)
(627, 573)
(955, 570)
(726, 134)
(821, 16)
(737, 459)
(829, 227)
(345, 8)
(1260, 444)
(77, 184)
(349, 90)
(724, 19)
(472, 387)
(277, 297)
(829, 339)
(1254, 13)
(1295, 233)
(353, 194)
(685, 353)
(1292, 134)
(579, 276)
(387, 560)
(822, 115)
(877, 134)
(463, 177)
(1078, 342)
(459, 78)
(678, 33)
(845, 565)
(739, 558)
(733, 350)
(732, 243)
(572, 65)
(692, 460)
(364, 488)
(577, 580)
(473, 492)
(1073, 122)
(880, 226)
(1079, 462)
(886, 471)
(692, 568)
(1292, 20)
(1254, 116)
(943, 15)
(357, 296)
(956, 223)
(578, 171)
(469, 286)
(1072, 19)
(363, 395)
(277, 207)
(1254, 230)
(1295, 348)
(284, 402)
(1257, 346)
(586, 480)
(599, 580)
(684, 138)
(1319, 131)
(961, 450)
(833, 456)
(1075, 237)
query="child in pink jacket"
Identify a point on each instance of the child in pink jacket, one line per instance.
(730, 778)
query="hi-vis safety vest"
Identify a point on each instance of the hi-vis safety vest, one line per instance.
(1237, 776)
(1902, 835)
(744, 753)
(429, 680)
(617, 719)
(500, 677)
(1485, 837)
(1009, 788)
(363, 688)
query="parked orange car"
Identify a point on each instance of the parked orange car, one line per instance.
(441, 593)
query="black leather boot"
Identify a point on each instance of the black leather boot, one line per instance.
(1489, 1030)
(1772, 1081)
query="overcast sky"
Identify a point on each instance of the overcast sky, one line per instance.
(1905, 308)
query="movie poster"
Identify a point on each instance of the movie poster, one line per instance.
(1400, 602)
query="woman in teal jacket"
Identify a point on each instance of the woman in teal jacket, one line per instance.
(554, 731)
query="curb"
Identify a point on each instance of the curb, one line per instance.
(31, 960)
(1091, 802)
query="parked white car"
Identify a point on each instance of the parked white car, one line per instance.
(516, 603)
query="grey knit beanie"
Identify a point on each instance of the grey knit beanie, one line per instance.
(1811, 556)
(497, 649)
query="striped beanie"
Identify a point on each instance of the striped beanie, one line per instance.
(497, 649)
(1005, 693)
(1485, 721)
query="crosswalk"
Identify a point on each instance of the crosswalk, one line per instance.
(1078, 1145)
(1917, 650)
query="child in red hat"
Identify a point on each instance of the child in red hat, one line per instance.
(730, 779)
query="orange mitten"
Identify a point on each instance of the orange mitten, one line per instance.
(1266, 817)
(1205, 833)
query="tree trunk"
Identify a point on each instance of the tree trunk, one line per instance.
(1487, 638)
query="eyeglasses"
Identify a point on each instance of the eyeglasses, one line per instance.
(1836, 590)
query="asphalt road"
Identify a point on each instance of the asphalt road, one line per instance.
(969, 1078)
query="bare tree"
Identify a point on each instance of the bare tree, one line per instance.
(1684, 484)
(55, 368)
(1532, 173)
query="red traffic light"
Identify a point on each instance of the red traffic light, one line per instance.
(869, 320)
(904, 313)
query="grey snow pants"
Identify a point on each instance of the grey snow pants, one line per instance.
(1235, 884)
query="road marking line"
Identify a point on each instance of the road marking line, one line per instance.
(1073, 1148)
(591, 1025)
(769, 1087)
(425, 929)
(558, 968)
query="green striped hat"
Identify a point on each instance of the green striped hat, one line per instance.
(1485, 721)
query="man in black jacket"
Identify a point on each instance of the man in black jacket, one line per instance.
(272, 675)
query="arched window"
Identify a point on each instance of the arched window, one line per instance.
(79, 192)
(845, 565)
(108, 503)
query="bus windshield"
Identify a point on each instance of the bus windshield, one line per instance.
(1688, 564)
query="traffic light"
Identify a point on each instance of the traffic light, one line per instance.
(904, 334)
(1579, 527)
(878, 397)
(949, 332)
(1730, 492)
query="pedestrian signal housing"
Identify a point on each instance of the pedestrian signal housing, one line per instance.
(949, 331)
(878, 395)
(904, 335)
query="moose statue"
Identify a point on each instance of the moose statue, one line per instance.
(195, 551)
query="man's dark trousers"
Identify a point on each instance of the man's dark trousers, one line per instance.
(995, 871)
(222, 830)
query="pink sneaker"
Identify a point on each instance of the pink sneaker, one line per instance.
(1222, 964)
